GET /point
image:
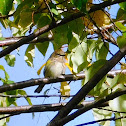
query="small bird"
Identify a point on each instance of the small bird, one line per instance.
(54, 67)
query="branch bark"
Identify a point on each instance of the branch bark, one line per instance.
(43, 81)
(39, 108)
(88, 87)
(52, 26)
(40, 81)
(94, 104)
(83, 107)
(10, 41)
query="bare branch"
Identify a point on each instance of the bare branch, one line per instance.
(83, 107)
(9, 41)
(39, 108)
(43, 81)
(7, 16)
(33, 96)
(52, 26)
(88, 86)
(94, 104)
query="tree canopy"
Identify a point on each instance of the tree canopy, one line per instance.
(95, 40)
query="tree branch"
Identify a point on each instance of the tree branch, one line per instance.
(40, 108)
(12, 40)
(7, 16)
(88, 86)
(83, 107)
(43, 81)
(40, 81)
(34, 96)
(9, 41)
(102, 120)
(52, 26)
(94, 104)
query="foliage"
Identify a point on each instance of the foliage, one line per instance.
(6, 101)
(88, 38)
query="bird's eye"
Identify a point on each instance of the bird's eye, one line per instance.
(60, 54)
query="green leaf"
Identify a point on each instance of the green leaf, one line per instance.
(29, 55)
(5, 73)
(53, 8)
(22, 92)
(6, 77)
(118, 79)
(92, 70)
(121, 121)
(42, 20)
(1, 38)
(9, 82)
(122, 79)
(121, 41)
(54, 11)
(121, 15)
(60, 36)
(78, 57)
(80, 4)
(5, 6)
(121, 26)
(113, 82)
(77, 27)
(118, 104)
(42, 47)
(3, 122)
(2, 67)
(101, 88)
(102, 50)
(14, 103)
(25, 19)
(100, 114)
(19, 1)
(74, 43)
(10, 101)
(91, 47)
(69, 35)
(123, 5)
(10, 59)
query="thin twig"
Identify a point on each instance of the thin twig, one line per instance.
(12, 40)
(110, 110)
(47, 28)
(51, 14)
(102, 120)
(87, 87)
(33, 96)
(6, 16)
(43, 81)
(17, 113)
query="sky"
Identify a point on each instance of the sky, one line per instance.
(22, 72)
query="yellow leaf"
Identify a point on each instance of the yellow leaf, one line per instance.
(123, 66)
(43, 5)
(65, 89)
(39, 71)
(99, 17)
(89, 4)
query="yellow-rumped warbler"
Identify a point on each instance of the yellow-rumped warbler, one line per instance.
(54, 67)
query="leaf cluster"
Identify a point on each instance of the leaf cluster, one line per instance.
(88, 38)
